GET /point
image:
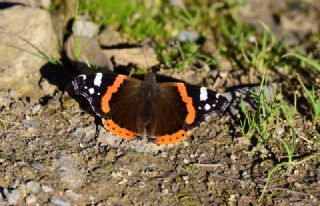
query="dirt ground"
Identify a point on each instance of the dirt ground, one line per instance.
(49, 156)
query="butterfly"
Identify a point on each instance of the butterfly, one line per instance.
(163, 112)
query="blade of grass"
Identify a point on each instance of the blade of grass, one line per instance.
(307, 60)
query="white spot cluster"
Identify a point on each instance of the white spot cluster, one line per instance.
(203, 94)
(207, 107)
(97, 79)
(91, 91)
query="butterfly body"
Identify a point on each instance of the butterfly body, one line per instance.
(162, 112)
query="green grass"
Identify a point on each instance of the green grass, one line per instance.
(260, 121)
(313, 100)
(314, 64)
(312, 94)
(280, 166)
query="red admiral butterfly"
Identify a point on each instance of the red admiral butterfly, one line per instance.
(130, 107)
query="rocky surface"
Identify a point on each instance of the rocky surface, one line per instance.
(49, 154)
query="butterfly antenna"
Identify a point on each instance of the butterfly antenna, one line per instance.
(144, 54)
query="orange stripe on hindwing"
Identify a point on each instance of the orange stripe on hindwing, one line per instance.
(171, 138)
(188, 100)
(115, 129)
(110, 91)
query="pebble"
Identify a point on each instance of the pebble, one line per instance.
(73, 195)
(178, 3)
(31, 199)
(141, 149)
(190, 36)
(12, 92)
(30, 122)
(12, 196)
(57, 201)
(69, 172)
(36, 109)
(38, 166)
(85, 28)
(46, 188)
(33, 187)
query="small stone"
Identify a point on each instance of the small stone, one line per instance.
(31, 199)
(57, 201)
(30, 122)
(46, 188)
(165, 191)
(38, 166)
(12, 196)
(141, 148)
(33, 187)
(85, 28)
(36, 109)
(280, 131)
(190, 36)
(128, 56)
(233, 157)
(70, 172)
(123, 181)
(177, 3)
(12, 93)
(73, 195)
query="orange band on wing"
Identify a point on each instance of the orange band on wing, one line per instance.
(111, 89)
(115, 129)
(171, 138)
(188, 100)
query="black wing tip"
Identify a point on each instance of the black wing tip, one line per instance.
(78, 82)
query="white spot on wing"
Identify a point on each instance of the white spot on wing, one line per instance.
(199, 108)
(91, 91)
(207, 107)
(97, 79)
(85, 87)
(203, 94)
(83, 76)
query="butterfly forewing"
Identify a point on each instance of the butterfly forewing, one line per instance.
(127, 106)
(93, 87)
(168, 111)
(206, 102)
